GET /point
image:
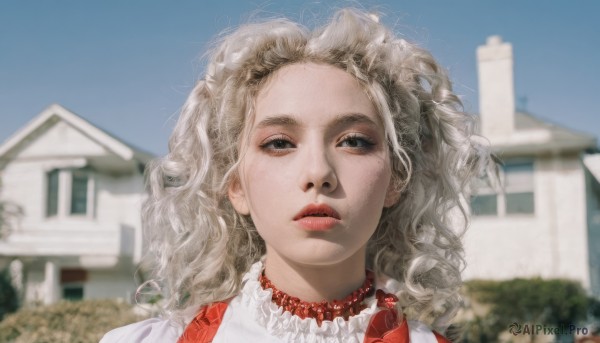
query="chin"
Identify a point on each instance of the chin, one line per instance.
(323, 254)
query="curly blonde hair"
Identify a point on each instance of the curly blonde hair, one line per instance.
(203, 247)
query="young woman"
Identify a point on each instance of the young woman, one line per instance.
(311, 192)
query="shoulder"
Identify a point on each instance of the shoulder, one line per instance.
(420, 332)
(153, 330)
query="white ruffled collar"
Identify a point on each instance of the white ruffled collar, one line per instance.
(290, 327)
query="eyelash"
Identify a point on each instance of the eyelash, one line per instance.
(367, 142)
(268, 145)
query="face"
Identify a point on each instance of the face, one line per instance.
(315, 167)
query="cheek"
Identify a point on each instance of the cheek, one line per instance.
(368, 178)
(266, 181)
(263, 176)
(366, 189)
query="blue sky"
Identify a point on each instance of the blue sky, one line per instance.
(127, 66)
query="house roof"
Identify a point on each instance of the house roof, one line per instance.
(533, 135)
(55, 111)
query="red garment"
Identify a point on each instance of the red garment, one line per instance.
(383, 327)
(204, 326)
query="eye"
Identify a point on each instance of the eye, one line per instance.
(277, 144)
(356, 141)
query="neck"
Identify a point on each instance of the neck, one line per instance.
(315, 283)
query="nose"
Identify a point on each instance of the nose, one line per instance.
(318, 172)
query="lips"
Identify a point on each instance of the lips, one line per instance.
(317, 217)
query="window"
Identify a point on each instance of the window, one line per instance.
(518, 180)
(517, 198)
(69, 192)
(485, 205)
(79, 190)
(52, 195)
(72, 292)
(72, 281)
(518, 183)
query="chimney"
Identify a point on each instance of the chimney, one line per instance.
(496, 88)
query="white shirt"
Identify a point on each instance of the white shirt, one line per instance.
(251, 316)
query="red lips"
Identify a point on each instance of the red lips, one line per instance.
(317, 217)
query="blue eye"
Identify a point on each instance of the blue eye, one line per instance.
(278, 144)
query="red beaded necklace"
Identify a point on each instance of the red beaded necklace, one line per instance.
(323, 310)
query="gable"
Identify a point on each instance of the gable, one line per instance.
(59, 139)
(58, 132)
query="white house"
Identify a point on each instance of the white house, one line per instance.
(547, 221)
(79, 190)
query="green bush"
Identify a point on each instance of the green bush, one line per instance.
(73, 322)
(8, 295)
(548, 302)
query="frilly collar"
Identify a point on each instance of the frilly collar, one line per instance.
(292, 328)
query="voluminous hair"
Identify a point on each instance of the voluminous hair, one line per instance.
(202, 246)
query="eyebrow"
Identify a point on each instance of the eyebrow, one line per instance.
(341, 119)
(278, 120)
(353, 118)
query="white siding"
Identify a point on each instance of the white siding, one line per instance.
(110, 284)
(552, 243)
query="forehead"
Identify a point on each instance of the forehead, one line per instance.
(304, 89)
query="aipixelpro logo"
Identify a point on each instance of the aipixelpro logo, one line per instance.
(539, 329)
(514, 328)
